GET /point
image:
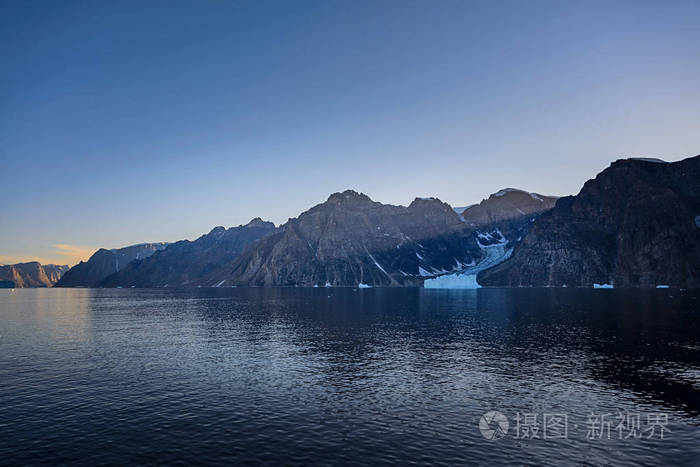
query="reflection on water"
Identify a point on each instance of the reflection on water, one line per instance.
(340, 375)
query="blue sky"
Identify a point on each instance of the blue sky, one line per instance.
(131, 121)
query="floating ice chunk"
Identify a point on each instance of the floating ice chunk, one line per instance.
(328, 284)
(363, 286)
(452, 281)
(662, 287)
(602, 286)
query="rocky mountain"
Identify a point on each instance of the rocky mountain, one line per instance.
(32, 274)
(499, 222)
(351, 240)
(634, 225)
(187, 262)
(506, 204)
(54, 272)
(105, 262)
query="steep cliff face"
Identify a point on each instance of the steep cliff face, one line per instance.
(106, 262)
(186, 262)
(352, 240)
(32, 274)
(632, 226)
(54, 272)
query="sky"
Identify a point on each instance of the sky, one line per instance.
(124, 122)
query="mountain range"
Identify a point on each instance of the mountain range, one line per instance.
(637, 224)
(31, 274)
(106, 262)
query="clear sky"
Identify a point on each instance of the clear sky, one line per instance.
(130, 121)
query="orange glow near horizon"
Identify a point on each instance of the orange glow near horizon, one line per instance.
(63, 254)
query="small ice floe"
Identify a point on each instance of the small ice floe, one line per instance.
(662, 287)
(328, 284)
(602, 286)
(315, 286)
(363, 286)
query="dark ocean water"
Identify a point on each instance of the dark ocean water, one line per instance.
(342, 376)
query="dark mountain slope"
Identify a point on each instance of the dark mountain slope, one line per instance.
(634, 225)
(186, 262)
(105, 262)
(352, 240)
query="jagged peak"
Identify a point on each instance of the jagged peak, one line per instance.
(505, 191)
(431, 201)
(217, 230)
(518, 191)
(258, 222)
(349, 196)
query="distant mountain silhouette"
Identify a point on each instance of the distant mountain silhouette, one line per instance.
(32, 274)
(105, 262)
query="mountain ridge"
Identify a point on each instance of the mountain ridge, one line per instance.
(32, 274)
(633, 225)
(104, 262)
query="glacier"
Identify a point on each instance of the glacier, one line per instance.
(466, 278)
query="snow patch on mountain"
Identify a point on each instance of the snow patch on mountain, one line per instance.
(649, 159)
(504, 191)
